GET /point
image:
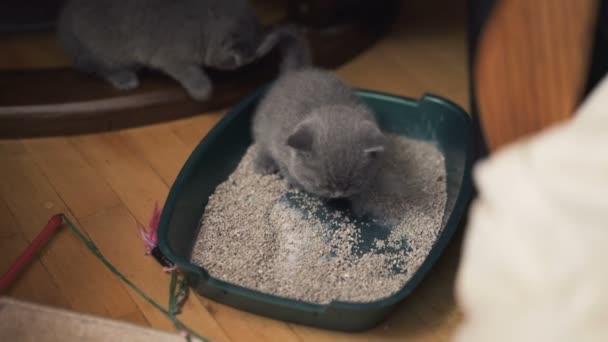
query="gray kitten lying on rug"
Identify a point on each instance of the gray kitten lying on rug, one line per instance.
(115, 38)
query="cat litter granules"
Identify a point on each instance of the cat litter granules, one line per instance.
(254, 236)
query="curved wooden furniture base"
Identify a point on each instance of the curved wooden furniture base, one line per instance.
(65, 102)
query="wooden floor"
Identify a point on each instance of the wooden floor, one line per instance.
(109, 182)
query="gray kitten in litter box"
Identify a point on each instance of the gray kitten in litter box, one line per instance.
(114, 38)
(314, 129)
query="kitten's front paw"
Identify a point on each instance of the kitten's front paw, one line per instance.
(200, 91)
(264, 165)
(123, 80)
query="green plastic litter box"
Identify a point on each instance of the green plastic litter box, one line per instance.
(431, 118)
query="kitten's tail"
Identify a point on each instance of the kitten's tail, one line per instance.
(294, 47)
(295, 50)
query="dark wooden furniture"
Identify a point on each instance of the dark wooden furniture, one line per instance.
(62, 101)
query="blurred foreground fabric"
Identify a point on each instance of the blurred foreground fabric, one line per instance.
(536, 245)
(25, 322)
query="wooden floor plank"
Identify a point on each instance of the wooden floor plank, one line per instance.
(112, 228)
(115, 232)
(191, 131)
(32, 200)
(34, 283)
(136, 317)
(384, 78)
(244, 326)
(161, 148)
(426, 67)
(76, 181)
(8, 225)
(409, 328)
(130, 177)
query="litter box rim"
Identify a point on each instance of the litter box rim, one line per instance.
(450, 227)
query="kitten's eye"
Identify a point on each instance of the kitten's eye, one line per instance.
(373, 152)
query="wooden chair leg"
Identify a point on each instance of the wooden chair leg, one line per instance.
(532, 65)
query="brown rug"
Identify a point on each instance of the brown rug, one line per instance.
(25, 322)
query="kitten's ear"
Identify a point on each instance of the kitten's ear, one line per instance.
(374, 151)
(373, 139)
(302, 137)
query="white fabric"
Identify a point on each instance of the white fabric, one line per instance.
(535, 256)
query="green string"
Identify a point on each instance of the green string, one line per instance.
(178, 289)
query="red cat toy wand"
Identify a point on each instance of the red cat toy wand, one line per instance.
(9, 276)
(148, 235)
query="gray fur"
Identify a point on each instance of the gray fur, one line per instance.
(315, 130)
(115, 38)
(294, 47)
